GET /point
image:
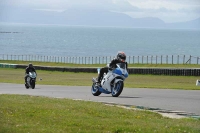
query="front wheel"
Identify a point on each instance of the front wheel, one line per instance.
(26, 86)
(33, 84)
(95, 91)
(117, 89)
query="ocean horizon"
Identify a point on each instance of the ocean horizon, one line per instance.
(81, 41)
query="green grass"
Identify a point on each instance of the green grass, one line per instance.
(9, 75)
(99, 65)
(84, 79)
(23, 114)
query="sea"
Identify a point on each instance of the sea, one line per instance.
(81, 41)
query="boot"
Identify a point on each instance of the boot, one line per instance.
(99, 79)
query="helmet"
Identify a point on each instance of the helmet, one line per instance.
(30, 65)
(121, 56)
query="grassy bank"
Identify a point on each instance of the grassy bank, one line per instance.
(9, 75)
(100, 65)
(84, 79)
(21, 113)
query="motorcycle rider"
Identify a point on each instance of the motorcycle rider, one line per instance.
(121, 58)
(28, 69)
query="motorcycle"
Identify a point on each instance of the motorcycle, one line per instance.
(30, 81)
(112, 82)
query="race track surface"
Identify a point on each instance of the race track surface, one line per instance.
(185, 101)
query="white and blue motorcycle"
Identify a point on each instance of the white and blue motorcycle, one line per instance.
(112, 82)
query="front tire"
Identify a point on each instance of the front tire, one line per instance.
(95, 91)
(26, 86)
(117, 89)
(33, 85)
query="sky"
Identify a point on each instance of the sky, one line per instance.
(167, 10)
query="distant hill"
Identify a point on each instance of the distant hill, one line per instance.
(88, 18)
(194, 24)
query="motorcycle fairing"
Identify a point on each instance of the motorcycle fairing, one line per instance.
(104, 91)
(32, 74)
(105, 83)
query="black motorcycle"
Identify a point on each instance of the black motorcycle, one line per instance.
(30, 81)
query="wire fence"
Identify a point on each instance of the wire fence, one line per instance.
(152, 59)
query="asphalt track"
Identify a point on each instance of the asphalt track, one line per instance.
(182, 102)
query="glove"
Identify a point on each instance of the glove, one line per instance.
(110, 68)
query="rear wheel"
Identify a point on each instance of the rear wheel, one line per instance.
(95, 91)
(117, 89)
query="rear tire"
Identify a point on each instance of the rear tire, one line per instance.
(95, 91)
(118, 89)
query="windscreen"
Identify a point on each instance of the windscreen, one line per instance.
(122, 65)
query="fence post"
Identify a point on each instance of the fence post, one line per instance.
(184, 59)
(133, 59)
(190, 59)
(167, 59)
(178, 59)
(147, 60)
(172, 59)
(156, 59)
(151, 59)
(197, 60)
(78, 60)
(142, 59)
(161, 59)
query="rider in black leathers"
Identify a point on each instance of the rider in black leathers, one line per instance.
(121, 58)
(30, 68)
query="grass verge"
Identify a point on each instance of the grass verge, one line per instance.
(23, 113)
(99, 65)
(9, 75)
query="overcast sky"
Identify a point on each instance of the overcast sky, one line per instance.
(167, 10)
